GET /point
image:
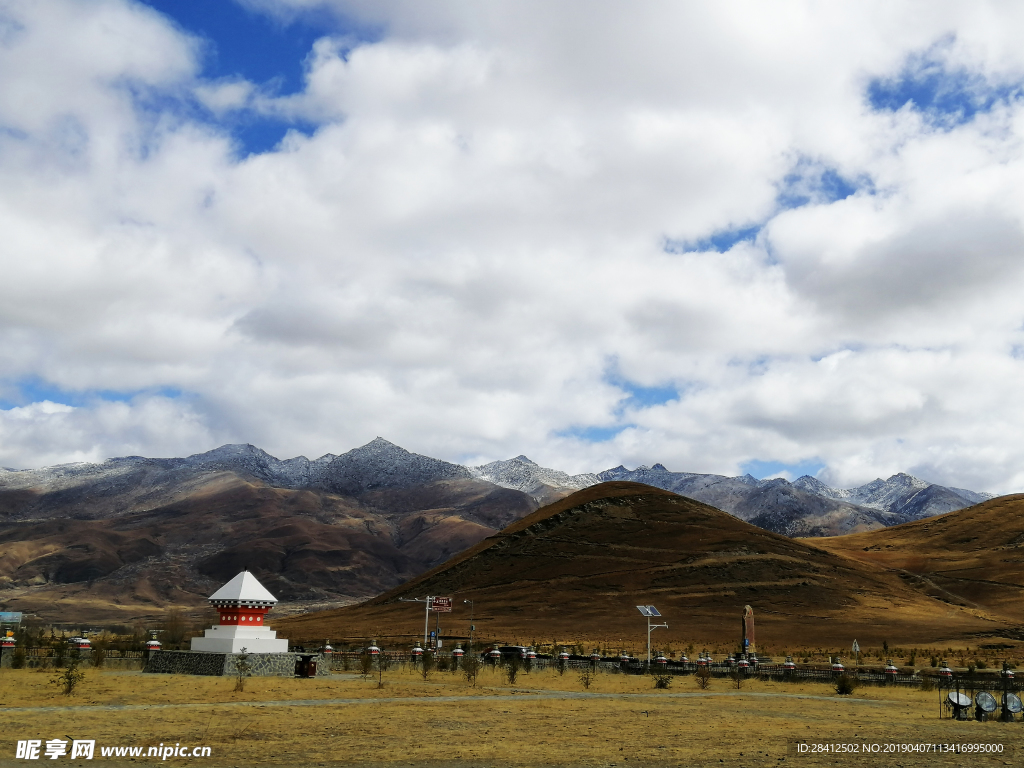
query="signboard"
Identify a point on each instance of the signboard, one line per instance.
(10, 617)
(441, 604)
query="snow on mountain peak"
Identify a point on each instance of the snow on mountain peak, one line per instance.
(522, 474)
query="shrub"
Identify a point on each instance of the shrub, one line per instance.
(927, 683)
(512, 667)
(69, 677)
(365, 664)
(60, 651)
(662, 680)
(471, 668)
(845, 684)
(18, 658)
(174, 630)
(703, 678)
(427, 664)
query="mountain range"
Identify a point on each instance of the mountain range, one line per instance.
(805, 507)
(127, 537)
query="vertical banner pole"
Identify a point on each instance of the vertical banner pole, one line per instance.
(426, 622)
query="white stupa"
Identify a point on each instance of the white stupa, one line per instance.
(243, 604)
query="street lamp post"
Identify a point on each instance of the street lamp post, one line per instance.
(426, 620)
(650, 612)
(471, 625)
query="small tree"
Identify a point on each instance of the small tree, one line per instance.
(383, 665)
(99, 650)
(365, 664)
(173, 630)
(512, 667)
(587, 675)
(471, 668)
(737, 679)
(69, 677)
(703, 678)
(427, 664)
(60, 650)
(243, 668)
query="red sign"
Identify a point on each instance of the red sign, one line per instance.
(441, 604)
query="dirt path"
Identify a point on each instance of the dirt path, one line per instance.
(512, 695)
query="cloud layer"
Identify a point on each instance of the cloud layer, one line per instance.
(701, 234)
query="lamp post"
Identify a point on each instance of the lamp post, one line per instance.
(650, 612)
(471, 625)
(426, 620)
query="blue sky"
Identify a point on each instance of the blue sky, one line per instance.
(270, 51)
(800, 244)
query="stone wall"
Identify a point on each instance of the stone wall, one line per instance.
(262, 664)
(204, 663)
(186, 663)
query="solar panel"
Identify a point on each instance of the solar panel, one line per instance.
(653, 610)
(986, 701)
(1012, 703)
(959, 699)
(645, 610)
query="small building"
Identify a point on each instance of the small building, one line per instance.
(243, 604)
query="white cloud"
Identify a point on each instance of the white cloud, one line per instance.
(472, 241)
(47, 433)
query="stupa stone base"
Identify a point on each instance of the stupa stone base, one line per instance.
(236, 644)
(232, 639)
(226, 664)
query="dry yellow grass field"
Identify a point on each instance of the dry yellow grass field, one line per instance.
(544, 720)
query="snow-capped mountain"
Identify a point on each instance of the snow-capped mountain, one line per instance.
(521, 474)
(378, 464)
(805, 507)
(901, 493)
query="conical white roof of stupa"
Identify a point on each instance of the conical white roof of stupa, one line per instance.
(244, 588)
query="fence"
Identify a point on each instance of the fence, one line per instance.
(35, 658)
(970, 686)
(635, 667)
(42, 653)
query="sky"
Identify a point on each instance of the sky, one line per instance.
(780, 238)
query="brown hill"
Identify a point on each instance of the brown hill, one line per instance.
(576, 569)
(972, 558)
(107, 557)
